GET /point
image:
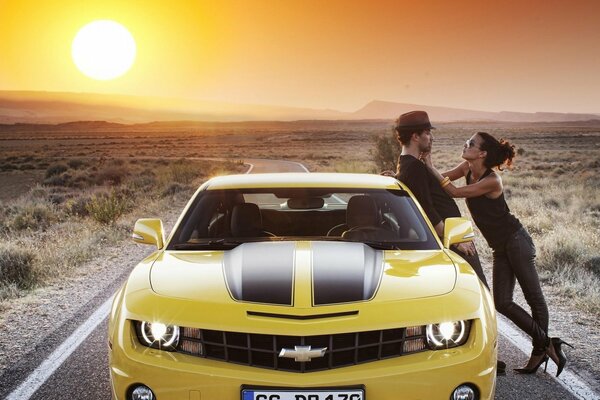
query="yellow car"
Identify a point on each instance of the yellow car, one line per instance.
(302, 286)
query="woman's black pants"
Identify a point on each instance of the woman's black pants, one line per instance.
(516, 261)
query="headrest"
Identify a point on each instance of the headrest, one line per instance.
(246, 220)
(361, 211)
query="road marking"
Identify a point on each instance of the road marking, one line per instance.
(41, 374)
(575, 385)
(249, 169)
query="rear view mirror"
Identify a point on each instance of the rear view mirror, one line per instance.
(457, 230)
(149, 231)
(305, 203)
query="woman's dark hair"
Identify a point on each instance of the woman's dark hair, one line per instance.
(499, 152)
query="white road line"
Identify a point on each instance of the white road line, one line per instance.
(249, 169)
(37, 378)
(567, 379)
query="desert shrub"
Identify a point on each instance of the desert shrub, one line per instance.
(34, 215)
(8, 167)
(63, 179)
(56, 169)
(76, 163)
(352, 167)
(78, 206)
(520, 151)
(106, 208)
(593, 265)
(111, 175)
(145, 179)
(385, 153)
(173, 189)
(26, 166)
(17, 266)
(183, 172)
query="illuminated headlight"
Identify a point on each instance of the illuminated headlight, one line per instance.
(157, 335)
(447, 334)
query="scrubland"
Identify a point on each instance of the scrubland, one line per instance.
(65, 193)
(82, 205)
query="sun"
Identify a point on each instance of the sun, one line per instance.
(103, 50)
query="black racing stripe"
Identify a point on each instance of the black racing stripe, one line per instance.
(261, 272)
(344, 272)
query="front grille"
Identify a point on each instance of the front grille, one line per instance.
(343, 349)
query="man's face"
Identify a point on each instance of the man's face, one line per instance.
(425, 141)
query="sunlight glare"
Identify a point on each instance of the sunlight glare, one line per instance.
(103, 50)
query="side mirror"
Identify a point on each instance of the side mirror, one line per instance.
(457, 230)
(149, 231)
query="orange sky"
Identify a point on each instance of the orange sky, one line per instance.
(504, 55)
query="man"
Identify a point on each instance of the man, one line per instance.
(413, 131)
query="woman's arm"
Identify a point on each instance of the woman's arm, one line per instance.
(456, 173)
(491, 184)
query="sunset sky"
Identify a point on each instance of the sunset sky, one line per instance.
(538, 55)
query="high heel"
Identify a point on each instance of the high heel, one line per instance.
(533, 369)
(559, 354)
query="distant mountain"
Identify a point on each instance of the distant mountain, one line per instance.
(53, 107)
(58, 108)
(391, 110)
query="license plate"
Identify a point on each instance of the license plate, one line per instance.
(302, 394)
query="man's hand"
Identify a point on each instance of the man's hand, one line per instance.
(388, 173)
(468, 248)
(426, 158)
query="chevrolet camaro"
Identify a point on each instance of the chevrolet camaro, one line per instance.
(302, 286)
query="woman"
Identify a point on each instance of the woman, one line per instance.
(513, 249)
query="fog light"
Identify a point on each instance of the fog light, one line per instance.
(142, 393)
(464, 392)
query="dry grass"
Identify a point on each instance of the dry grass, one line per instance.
(83, 206)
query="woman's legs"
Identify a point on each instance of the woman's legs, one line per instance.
(516, 260)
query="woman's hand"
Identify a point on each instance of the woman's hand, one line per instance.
(388, 173)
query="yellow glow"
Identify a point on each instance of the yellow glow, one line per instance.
(103, 50)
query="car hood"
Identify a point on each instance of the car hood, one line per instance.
(302, 274)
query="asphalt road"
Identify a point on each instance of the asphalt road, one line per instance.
(84, 374)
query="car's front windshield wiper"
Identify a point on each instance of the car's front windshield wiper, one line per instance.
(219, 244)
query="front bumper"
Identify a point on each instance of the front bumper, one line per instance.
(426, 375)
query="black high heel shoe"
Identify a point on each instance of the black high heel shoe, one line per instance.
(533, 369)
(561, 358)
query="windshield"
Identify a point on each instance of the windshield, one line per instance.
(222, 219)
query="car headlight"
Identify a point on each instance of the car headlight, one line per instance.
(157, 335)
(447, 334)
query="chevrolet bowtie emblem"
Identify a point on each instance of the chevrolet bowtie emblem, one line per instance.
(303, 353)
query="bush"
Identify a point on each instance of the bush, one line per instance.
(35, 216)
(17, 266)
(183, 172)
(76, 163)
(107, 208)
(386, 152)
(173, 189)
(58, 180)
(56, 169)
(111, 175)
